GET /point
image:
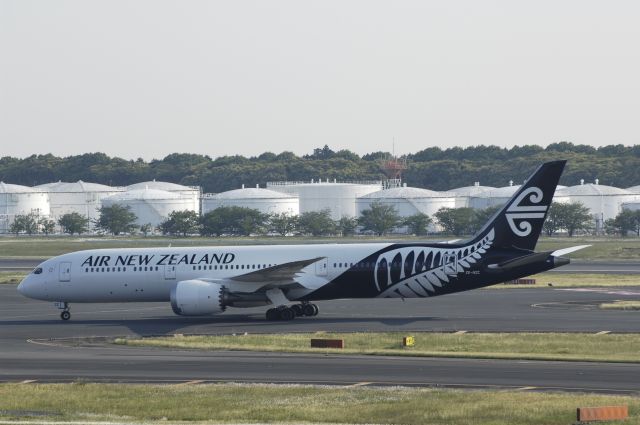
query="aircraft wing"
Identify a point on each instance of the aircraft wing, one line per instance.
(278, 276)
(282, 274)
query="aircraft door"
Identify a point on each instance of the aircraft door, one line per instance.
(169, 272)
(322, 267)
(450, 264)
(64, 273)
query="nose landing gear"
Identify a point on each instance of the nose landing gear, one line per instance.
(64, 306)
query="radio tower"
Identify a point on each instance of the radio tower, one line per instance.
(392, 167)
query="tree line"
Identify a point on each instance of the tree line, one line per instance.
(433, 168)
(380, 219)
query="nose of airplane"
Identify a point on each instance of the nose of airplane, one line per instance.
(25, 287)
(22, 287)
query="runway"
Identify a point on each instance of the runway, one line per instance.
(33, 346)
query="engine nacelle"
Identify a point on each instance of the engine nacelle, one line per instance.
(198, 298)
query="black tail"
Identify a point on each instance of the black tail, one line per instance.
(518, 224)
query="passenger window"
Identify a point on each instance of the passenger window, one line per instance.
(135, 269)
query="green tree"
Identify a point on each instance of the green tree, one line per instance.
(625, 222)
(347, 225)
(555, 217)
(283, 223)
(146, 229)
(482, 216)
(17, 226)
(183, 223)
(73, 223)
(27, 223)
(572, 217)
(116, 219)
(379, 218)
(233, 221)
(456, 221)
(316, 223)
(46, 225)
(418, 224)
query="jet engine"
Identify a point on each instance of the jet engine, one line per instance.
(198, 298)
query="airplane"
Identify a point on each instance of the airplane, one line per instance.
(202, 281)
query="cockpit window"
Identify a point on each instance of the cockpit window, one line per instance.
(37, 270)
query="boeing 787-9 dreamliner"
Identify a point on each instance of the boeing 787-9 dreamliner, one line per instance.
(205, 281)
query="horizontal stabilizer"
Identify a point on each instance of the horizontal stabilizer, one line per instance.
(536, 257)
(565, 251)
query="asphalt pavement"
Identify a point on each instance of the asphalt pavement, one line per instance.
(36, 344)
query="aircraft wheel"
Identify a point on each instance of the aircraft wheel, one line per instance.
(65, 315)
(272, 314)
(316, 310)
(297, 309)
(309, 310)
(287, 314)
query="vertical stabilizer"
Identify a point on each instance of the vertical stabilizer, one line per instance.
(518, 224)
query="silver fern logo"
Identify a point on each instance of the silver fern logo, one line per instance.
(523, 213)
(412, 272)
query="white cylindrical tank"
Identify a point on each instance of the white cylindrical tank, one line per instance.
(150, 205)
(408, 201)
(79, 197)
(186, 192)
(464, 194)
(493, 197)
(604, 202)
(21, 200)
(634, 189)
(501, 195)
(338, 198)
(263, 200)
(631, 206)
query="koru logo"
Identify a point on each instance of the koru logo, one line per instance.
(522, 213)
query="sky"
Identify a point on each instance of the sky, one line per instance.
(138, 78)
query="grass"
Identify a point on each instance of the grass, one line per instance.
(621, 305)
(224, 403)
(561, 280)
(40, 247)
(530, 346)
(11, 277)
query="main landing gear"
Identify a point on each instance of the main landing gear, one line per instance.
(64, 306)
(289, 313)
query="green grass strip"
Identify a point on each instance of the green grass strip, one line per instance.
(531, 346)
(224, 403)
(575, 280)
(12, 278)
(621, 305)
(608, 248)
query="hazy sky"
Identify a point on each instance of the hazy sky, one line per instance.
(148, 78)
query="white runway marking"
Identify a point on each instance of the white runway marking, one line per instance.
(601, 291)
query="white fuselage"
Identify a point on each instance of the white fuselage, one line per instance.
(149, 274)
